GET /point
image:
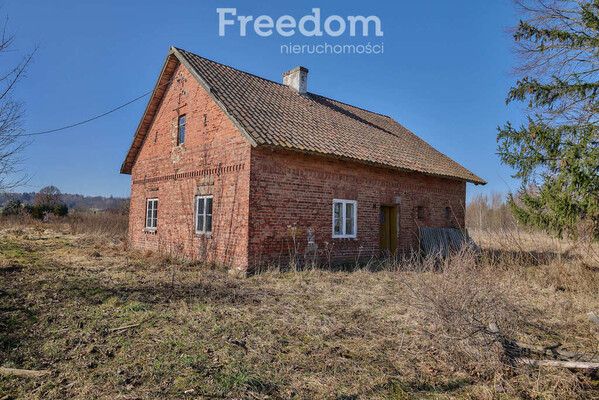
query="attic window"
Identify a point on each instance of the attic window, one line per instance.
(420, 212)
(181, 130)
(447, 212)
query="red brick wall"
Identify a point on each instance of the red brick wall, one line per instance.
(213, 160)
(292, 194)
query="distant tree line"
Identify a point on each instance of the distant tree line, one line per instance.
(47, 201)
(75, 202)
(50, 201)
(489, 213)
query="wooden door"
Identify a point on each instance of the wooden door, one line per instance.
(388, 229)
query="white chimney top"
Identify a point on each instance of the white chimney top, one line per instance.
(297, 79)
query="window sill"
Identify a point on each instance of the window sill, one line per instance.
(345, 237)
(203, 234)
(149, 230)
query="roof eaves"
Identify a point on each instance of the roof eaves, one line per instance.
(475, 179)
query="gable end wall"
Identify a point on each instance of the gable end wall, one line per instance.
(213, 160)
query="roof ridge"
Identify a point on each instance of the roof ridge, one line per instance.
(228, 66)
(282, 84)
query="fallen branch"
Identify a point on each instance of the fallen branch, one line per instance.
(553, 350)
(561, 364)
(27, 373)
(122, 328)
(593, 317)
(514, 349)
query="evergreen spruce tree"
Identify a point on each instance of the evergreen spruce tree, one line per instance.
(557, 150)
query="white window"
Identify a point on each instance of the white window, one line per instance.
(151, 213)
(344, 218)
(203, 215)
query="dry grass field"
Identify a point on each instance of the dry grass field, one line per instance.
(394, 330)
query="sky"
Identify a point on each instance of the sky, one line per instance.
(444, 74)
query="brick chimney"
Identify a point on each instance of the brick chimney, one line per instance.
(297, 79)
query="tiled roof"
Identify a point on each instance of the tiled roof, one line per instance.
(272, 114)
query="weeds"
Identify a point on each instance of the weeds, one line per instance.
(401, 327)
(107, 225)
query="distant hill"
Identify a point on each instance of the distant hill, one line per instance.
(73, 201)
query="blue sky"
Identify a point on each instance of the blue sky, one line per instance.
(444, 74)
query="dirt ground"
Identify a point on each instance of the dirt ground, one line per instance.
(396, 333)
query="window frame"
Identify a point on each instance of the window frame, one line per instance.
(344, 203)
(179, 126)
(148, 201)
(196, 215)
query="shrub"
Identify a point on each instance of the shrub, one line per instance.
(13, 207)
(38, 211)
(61, 210)
(28, 209)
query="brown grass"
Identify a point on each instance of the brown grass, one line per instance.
(412, 330)
(106, 225)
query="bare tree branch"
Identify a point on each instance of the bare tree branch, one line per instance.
(555, 38)
(12, 143)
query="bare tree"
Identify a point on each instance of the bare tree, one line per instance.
(12, 141)
(489, 213)
(48, 196)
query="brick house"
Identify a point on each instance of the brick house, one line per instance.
(235, 169)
